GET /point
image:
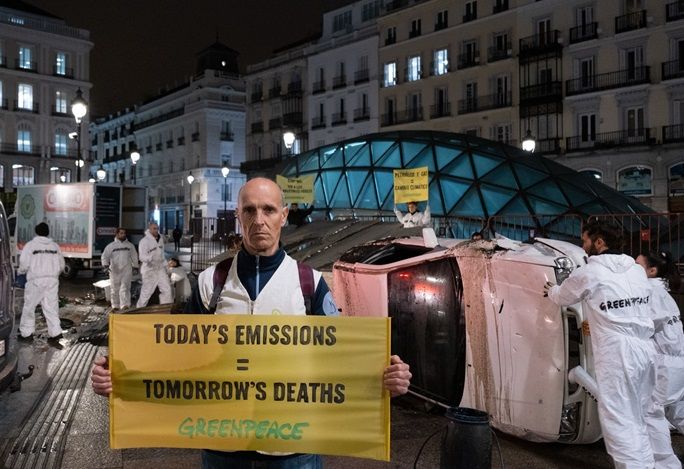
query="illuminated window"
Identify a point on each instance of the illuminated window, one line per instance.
(25, 96)
(26, 58)
(390, 76)
(60, 64)
(635, 180)
(61, 140)
(441, 61)
(413, 68)
(60, 102)
(24, 140)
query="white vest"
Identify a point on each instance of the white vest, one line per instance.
(281, 295)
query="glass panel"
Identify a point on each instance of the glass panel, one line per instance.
(495, 198)
(548, 190)
(484, 163)
(411, 149)
(336, 184)
(445, 155)
(576, 196)
(424, 158)
(391, 159)
(452, 192)
(503, 176)
(358, 155)
(469, 205)
(309, 163)
(460, 167)
(367, 198)
(356, 180)
(543, 207)
(515, 207)
(319, 196)
(528, 176)
(378, 149)
(331, 157)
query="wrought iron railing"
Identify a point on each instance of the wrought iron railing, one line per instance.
(607, 81)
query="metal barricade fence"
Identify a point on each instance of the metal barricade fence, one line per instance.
(209, 237)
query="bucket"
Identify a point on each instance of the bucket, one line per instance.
(468, 441)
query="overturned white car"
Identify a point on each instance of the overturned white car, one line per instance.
(471, 320)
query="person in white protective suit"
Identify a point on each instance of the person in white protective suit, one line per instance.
(413, 217)
(616, 297)
(42, 262)
(179, 281)
(121, 258)
(668, 399)
(153, 268)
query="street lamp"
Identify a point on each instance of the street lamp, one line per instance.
(79, 108)
(225, 170)
(135, 156)
(101, 174)
(190, 179)
(289, 138)
(529, 143)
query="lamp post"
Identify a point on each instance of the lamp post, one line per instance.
(225, 170)
(289, 138)
(135, 156)
(79, 108)
(529, 143)
(101, 174)
(190, 179)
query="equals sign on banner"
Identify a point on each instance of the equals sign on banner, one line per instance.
(242, 364)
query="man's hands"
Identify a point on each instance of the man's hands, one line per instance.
(547, 286)
(101, 378)
(397, 376)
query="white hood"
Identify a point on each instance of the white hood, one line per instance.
(618, 263)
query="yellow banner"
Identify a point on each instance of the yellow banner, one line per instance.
(297, 190)
(411, 185)
(309, 384)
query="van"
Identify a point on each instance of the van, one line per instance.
(471, 319)
(8, 357)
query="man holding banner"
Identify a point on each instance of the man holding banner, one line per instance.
(413, 217)
(262, 280)
(410, 186)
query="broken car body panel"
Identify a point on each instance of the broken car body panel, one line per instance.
(471, 320)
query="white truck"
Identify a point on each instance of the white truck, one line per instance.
(83, 218)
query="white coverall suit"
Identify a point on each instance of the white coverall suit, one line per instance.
(616, 296)
(42, 261)
(668, 399)
(153, 270)
(121, 257)
(413, 219)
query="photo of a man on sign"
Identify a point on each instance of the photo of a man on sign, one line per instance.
(411, 186)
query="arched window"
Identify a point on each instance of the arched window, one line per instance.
(635, 180)
(598, 175)
(676, 179)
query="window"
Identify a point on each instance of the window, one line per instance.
(415, 28)
(390, 112)
(587, 128)
(60, 64)
(441, 61)
(635, 121)
(391, 36)
(414, 106)
(390, 75)
(24, 140)
(441, 107)
(585, 15)
(371, 10)
(470, 11)
(413, 71)
(502, 91)
(586, 72)
(23, 175)
(342, 21)
(502, 133)
(633, 59)
(25, 96)
(635, 180)
(26, 58)
(61, 139)
(471, 96)
(58, 175)
(60, 102)
(676, 179)
(442, 20)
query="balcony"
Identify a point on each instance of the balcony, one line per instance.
(630, 21)
(584, 32)
(390, 40)
(14, 149)
(543, 92)
(389, 118)
(255, 165)
(673, 69)
(62, 72)
(318, 122)
(608, 81)
(293, 119)
(619, 138)
(148, 149)
(60, 112)
(410, 115)
(181, 141)
(495, 53)
(169, 143)
(26, 107)
(414, 33)
(276, 123)
(542, 43)
(469, 17)
(158, 146)
(26, 66)
(674, 11)
(361, 114)
(255, 97)
(440, 110)
(548, 146)
(499, 6)
(469, 59)
(257, 127)
(339, 118)
(441, 25)
(318, 87)
(673, 133)
(227, 136)
(274, 92)
(483, 103)
(339, 82)
(195, 137)
(361, 76)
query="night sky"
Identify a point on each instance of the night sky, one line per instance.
(141, 46)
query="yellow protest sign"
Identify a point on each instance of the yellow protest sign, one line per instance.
(309, 384)
(411, 185)
(298, 190)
